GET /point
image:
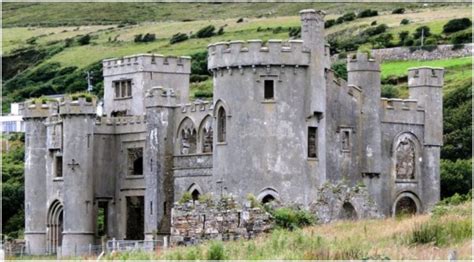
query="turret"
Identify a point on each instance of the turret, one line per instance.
(425, 84)
(364, 72)
(78, 126)
(127, 79)
(160, 106)
(35, 114)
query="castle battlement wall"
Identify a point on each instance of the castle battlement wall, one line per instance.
(120, 121)
(425, 77)
(78, 107)
(37, 109)
(147, 63)
(160, 96)
(362, 62)
(407, 111)
(254, 53)
(197, 106)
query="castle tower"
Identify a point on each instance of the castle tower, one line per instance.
(35, 176)
(426, 85)
(78, 127)
(364, 72)
(160, 106)
(127, 79)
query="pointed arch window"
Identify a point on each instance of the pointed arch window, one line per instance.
(221, 125)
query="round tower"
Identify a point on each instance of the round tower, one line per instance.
(35, 114)
(364, 72)
(260, 93)
(78, 126)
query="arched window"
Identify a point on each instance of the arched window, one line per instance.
(348, 212)
(267, 199)
(187, 137)
(406, 155)
(195, 194)
(206, 135)
(221, 125)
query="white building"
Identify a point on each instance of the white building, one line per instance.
(13, 122)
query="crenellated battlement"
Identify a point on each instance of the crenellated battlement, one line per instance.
(120, 121)
(426, 76)
(147, 63)
(362, 62)
(197, 106)
(78, 107)
(401, 104)
(37, 109)
(255, 53)
(160, 96)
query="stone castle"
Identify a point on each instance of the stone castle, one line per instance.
(280, 126)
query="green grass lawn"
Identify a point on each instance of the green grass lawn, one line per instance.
(400, 68)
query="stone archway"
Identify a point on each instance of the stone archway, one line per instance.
(406, 204)
(55, 226)
(347, 212)
(267, 195)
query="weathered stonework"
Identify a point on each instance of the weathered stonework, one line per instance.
(281, 126)
(225, 219)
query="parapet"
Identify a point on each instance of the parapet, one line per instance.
(120, 121)
(311, 14)
(401, 104)
(160, 96)
(362, 62)
(147, 63)
(78, 107)
(254, 53)
(426, 76)
(197, 106)
(37, 109)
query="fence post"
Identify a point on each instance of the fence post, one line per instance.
(452, 255)
(165, 241)
(75, 250)
(90, 249)
(114, 247)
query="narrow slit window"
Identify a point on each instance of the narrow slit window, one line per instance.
(269, 89)
(346, 140)
(312, 142)
(221, 123)
(59, 166)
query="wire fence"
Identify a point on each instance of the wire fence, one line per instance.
(22, 249)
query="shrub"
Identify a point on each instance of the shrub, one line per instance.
(178, 37)
(409, 42)
(375, 30)
(220, 31)
(390, 91)
(149, 37)
(84, 40)
(216, 251)
(456, 25)
(329, 23)
(340, 20)
(277, 30)
(89, 97)
(464, 37)
(198, 78)
(294, 32)
(138, 38)
(340, 69)
(203, 94)
(427, 233)
(199, 63)
(455, 177)
(240, 20)
(367, 13)
(425, 30)
(253, 200)
(382, 41)
(291, 219)
(400, 10)
(204, 32)
(186, 197)
(349, 16)
(373, 23)
(403, 35)
(404, 21)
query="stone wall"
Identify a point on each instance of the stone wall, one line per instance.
(193, 222)
(340, 201)
(412, 53)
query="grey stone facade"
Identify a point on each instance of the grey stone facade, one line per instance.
(280, 126)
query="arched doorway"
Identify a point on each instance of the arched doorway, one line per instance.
(406, 204)
(348, 212)
(195, 191)
(268, 199)
(55, 226)
(195, 194)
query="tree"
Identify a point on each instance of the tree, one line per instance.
(455, 177)
(204, 32)
(399, 11)
(367, 13)
(403, 35)
(84, 40)
(422, 30)
(456, 25)
(178, 37)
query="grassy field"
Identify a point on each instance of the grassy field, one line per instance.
(57, 14)
(425, 237)
(399, 68)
